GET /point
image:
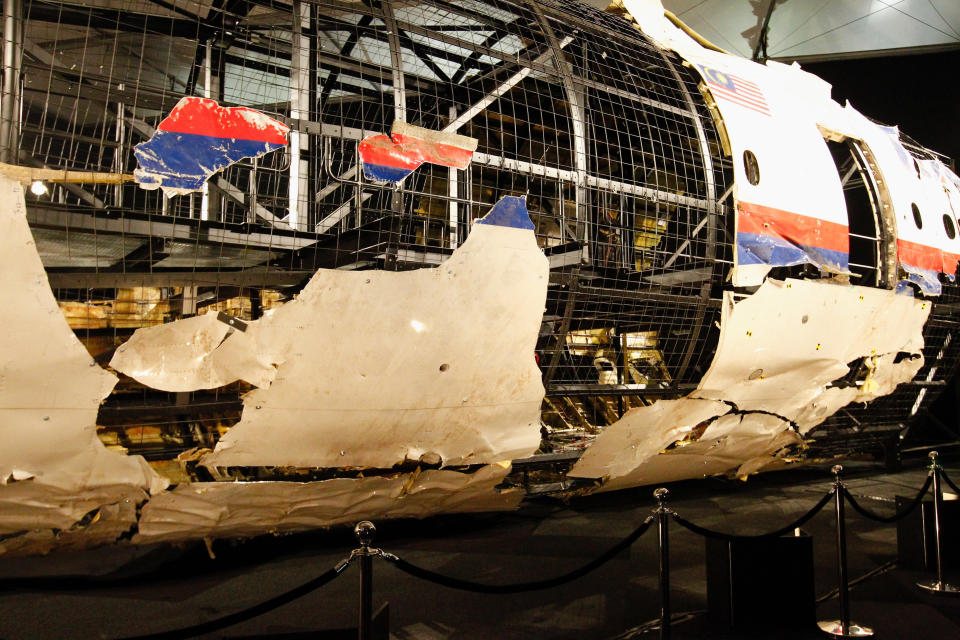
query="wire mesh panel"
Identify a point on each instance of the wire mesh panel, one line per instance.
(606, 136)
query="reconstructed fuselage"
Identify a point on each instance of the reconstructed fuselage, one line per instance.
(507, 247)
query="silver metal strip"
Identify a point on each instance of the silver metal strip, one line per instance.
(79, 221)
(396, 59)
(299, 106)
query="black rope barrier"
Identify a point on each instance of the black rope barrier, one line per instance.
(943, 474)
(799, 522)
(476, 587)
(866, 513)
(251, 612)
(365, 533)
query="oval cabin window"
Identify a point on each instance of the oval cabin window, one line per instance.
(917, 220)
(949, 227)
(752, 167)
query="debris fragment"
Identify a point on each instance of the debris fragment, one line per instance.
(199, 138)
(392, 158)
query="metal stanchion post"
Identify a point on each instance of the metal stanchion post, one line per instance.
(842, 628)
(365, 533)
(937, 586)
(662, 521)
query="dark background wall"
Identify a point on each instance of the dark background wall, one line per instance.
(920, 93)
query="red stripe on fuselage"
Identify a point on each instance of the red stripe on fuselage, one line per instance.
(436, 152)
(381, 150)
(923, 256)
(800, 229)
(204, 117)
(401, 151)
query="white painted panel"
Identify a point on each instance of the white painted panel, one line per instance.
(642, 433)
(371, 368)
(829, 325)
(779, 387)
(50, 387)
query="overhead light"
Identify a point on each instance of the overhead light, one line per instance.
(37, 188)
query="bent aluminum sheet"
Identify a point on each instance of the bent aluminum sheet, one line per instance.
(237, 509)
(370, 368)
(829, 326)
(771, 389)
(38, 518)
(50, 387)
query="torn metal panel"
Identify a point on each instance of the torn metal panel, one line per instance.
(199, 138)
(924, 265)
(175, 356)
(406, 367)
(237, 509)
(641, 434)
(739, 443)
(38, 518)
(50, 387)
(829, 325)
(392, 158)
(371, 368)
(780, 388)
(771, 130)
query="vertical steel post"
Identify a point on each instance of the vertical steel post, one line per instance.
(366, 598)
(119, 136)
(299, 185)
(576, 99)
(937, 498)
(842, 581)
(938, 586)
(661, 495)
(365, 533)
(399, 110)
(842, 628)
(9, 100)
(453, 191)
(252, 193)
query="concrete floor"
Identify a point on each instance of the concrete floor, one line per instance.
(124, 591)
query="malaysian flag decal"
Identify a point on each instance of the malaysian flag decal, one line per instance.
(730, 88)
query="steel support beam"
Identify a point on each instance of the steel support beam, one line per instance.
(576, 96)
(10, 99)
(78, 220)
(504, 87)
(300, 100)
(108, 280)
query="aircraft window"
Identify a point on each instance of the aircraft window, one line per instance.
(948, 226)
(752, 166)
(916, 167)
(917, 220)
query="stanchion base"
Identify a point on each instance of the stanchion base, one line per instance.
(940, 587)
(853, 630)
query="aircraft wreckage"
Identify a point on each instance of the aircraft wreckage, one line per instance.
(295, 265)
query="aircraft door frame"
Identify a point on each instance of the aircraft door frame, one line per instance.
(864, 164)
